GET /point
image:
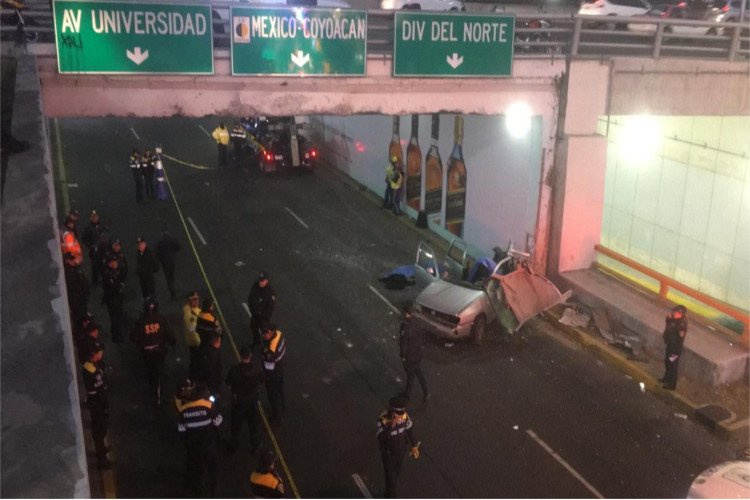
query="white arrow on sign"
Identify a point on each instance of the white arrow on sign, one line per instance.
(455, 61)
(300, 58)
(137, 56)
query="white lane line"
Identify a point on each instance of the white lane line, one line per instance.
(204, 130)
(298, 219)
(247, 310)
(134, 133)
(395, 309)
(195, 228)
(361, 485)
(563, 463)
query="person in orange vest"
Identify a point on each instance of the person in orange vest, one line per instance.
(265, 481)
(221, 136)
(69, 242)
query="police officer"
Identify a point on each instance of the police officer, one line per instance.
(91, 337)
(147, 265)
(674, 338)
(261, 301)
(239, 137)
(265, 482)
(411, 343)
(244, 380)
(78, 288)
(137, 171)
(190, 312)
(207, 325)
(95, 237)
(394, 429)
(166, 250)
(115, 252)
(274, 348)
(153, 334)
(113, 286)
(390, 168)
(69, 239)
(210, 369)
(199, 420)
(95, 381)
(221, 136)
(148, 167)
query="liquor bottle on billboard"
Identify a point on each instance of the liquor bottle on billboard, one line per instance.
(414, 167)
(394, 148)
(433, 192)
(455, 200)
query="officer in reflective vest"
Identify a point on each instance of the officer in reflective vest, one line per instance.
(69, 242)
(394, 429)
(265, 481)
(135, 169)
(274, 349)
(221, 136)
(95, 381)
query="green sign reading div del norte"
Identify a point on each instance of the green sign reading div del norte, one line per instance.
(104, 37)
(446, 45)
(299, 41)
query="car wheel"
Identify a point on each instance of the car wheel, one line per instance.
(478, 329)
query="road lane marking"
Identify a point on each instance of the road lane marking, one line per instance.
(61, 169)
(563, 463)
(247, 310)
(298, 219)
(134, 133)
(204, 130)
(384, 299)
(195, 228)
(224, 325)
(361, 485)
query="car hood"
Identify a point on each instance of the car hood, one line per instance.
(447, 298)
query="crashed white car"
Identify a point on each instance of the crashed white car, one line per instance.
(452, 308)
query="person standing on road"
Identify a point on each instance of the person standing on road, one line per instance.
(78, 288)
(147, 265)
(244, 379)
(389, 170)
(411, 343)
(674, 338)
(265, 482)
(210, 369)
(190, 312)
(148, 166)
(394, 428)
(207, 325)
(166, 250)
(397, 179)
(95, 237)
(274, 348)
(113, 286)
(69, 240)
(152, 334)
(239, 137)
(95, 381)
(261, 302)
(199, 420)
(136, 168)
(115, 252)
(221, 136)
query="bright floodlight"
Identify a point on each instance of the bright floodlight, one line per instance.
(518, 119)
(640, 137)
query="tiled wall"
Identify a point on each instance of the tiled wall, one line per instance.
(677, 199)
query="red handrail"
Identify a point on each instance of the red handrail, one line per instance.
(665, 283)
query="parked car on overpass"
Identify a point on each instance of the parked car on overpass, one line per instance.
(680, 11)
(604, 8)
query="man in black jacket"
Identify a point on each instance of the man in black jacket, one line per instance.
(147, 265)
(411, 343)
(261, 301)
(166, 250)
(96, 237)
(113, 286)
(210, 370)
(244, 379)
(674, 338)
(153, 335)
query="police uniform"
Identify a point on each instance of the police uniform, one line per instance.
(261, 301)
(675, 330)
(95, 382)
(199, 421)
(238, 137)
(152, 334)
(266, 485)
(273, 367)
(136, 170)
(113, 286)
(394, 432)
(95, 237)
(221, 136)
(244, 380)
(78, 292)
(148, 167)
(147, 265)
(118, 255)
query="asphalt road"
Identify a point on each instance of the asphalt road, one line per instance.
(539, 418)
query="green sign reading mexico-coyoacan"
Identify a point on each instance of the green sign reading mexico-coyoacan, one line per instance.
(131, 38)
(452, 44)
(298, 41)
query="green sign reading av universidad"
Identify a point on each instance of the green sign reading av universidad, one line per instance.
(452, 45)
(133, 38)
(299, 41)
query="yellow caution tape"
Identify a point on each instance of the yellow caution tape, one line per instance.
(187, 164)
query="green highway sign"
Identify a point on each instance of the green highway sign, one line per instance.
(452, 45)
(298, 41)
(132, 38)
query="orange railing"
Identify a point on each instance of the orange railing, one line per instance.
(665, 283)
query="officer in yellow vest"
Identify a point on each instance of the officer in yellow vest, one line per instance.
(221, 136)
(265, 482)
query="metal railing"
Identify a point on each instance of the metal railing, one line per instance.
(666, 283)
(576, 35)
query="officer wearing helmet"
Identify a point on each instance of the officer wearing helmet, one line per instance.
(394, 435)
(674, 338)
(152, 334)
(390, 169)
(265, 481)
